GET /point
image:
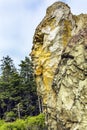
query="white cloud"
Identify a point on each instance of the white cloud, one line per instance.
(18, 20)
(78, 7)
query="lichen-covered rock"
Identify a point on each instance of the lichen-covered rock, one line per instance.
(59, 55)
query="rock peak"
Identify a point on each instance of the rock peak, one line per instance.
(56, 5)
(59, 56)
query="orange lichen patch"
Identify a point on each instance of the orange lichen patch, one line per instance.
(43, 67)
(36, 52)
(44, 56)
(38, 70)
(47, 82)
(40, 53)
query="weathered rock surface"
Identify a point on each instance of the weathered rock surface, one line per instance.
(59, 55)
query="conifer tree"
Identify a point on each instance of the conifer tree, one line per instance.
(29, 86)
(18, 96)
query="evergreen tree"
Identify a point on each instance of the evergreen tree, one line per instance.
(7, 68)
(18, 95)
(9, 84)
(29, 88)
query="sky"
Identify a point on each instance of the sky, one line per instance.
(18, 20)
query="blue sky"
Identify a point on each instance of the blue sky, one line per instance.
(18, 20)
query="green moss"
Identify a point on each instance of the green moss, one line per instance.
(31, 123)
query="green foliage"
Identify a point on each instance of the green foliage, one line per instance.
(31, 123)
(1, 122)
(17, 90)
(35, 123)
(30, 105)
(10, 116)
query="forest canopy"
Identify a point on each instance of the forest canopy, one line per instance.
(18, 96)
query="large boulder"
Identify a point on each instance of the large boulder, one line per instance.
(59, 56)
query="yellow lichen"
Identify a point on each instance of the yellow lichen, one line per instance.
(43, 68)
(41, 54)
(38, 71)
(67, 32)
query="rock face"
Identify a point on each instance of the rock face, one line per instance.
(59, 55)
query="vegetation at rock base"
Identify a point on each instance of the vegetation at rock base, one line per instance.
(18, 96)
(30, 123)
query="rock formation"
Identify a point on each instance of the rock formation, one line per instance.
(59, 56)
